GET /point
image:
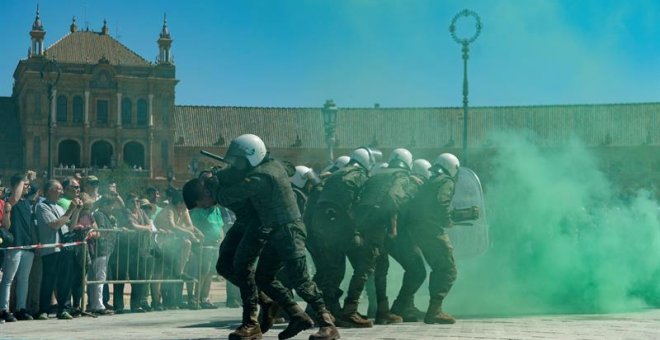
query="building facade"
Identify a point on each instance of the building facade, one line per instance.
(107, 106)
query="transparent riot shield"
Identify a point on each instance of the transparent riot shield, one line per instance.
(469, 237)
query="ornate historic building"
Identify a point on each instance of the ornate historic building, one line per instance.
(108, 106)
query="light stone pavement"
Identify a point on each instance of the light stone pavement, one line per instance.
(216, 324)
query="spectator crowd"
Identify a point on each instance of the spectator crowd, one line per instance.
(53, 234)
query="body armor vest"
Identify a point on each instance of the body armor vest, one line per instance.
(341, 189)
(301, 199)
(387, 190)
(276, 203)
(425, 210)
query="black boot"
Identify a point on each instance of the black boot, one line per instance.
(405, 308)
(327, 329)
(249, 329)
(268, 310)
(384, 316)
(299, 321)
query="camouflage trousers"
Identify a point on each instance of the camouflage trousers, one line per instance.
(329, 243)
(237, 256)
(285, 250)
(439, 254)
(404, 251)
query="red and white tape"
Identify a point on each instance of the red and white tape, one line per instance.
(42, 246)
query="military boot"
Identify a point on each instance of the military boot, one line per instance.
(299, 321)
(405, 308)
(384, 316)
(249, 328)
(268, 310)
(327, 330)
(435, 315)
(350, 318)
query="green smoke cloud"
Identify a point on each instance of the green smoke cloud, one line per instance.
(563, 240)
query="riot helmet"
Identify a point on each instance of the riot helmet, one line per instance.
(339, 163)
(366, 157)
(448, 163)
(379, 167)
(421, 167)
(248, 148)
(300, 178)
(400, 158)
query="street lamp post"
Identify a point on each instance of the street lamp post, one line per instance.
(170, 176)
(50, 76)
(329, 112)
(465, 43)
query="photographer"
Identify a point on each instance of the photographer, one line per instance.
(54, 223)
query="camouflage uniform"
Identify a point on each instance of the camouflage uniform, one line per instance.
(239, 251)
(375, 215)
(405, 251)
(332, 229)
(268, 188)
(429, 216)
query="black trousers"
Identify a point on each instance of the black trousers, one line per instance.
(134, 264)
(77, 279)
(56, 274)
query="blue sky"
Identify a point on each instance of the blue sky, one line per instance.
(361, 52)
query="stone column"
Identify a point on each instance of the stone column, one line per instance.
(119, 109)
(150, 156)
(151, 110)
(53, 109)
(86, 108)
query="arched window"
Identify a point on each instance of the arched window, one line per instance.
(142, 113)
(78, 109)
(102, 154)
(61, 109)
(68, 153)
(134, 154)
(126, 112)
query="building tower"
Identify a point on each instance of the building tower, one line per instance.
(164, 44)
(37, 34)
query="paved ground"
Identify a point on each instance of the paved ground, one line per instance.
(216, 324)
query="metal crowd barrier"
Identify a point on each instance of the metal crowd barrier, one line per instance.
(138, 257)
(130, 256)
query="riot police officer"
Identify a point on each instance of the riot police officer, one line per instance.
(239, 249)
(266, 185)
(376, 214)
(405, 251)
(428, 218)
(332, 229)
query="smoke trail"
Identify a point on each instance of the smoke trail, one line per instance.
(562, 239)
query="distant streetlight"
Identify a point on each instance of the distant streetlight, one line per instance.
(465, 43)
(50, 76)
(329, 112)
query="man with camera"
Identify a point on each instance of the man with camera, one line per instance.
(53, 223)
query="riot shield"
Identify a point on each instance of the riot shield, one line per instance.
(470, 237)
